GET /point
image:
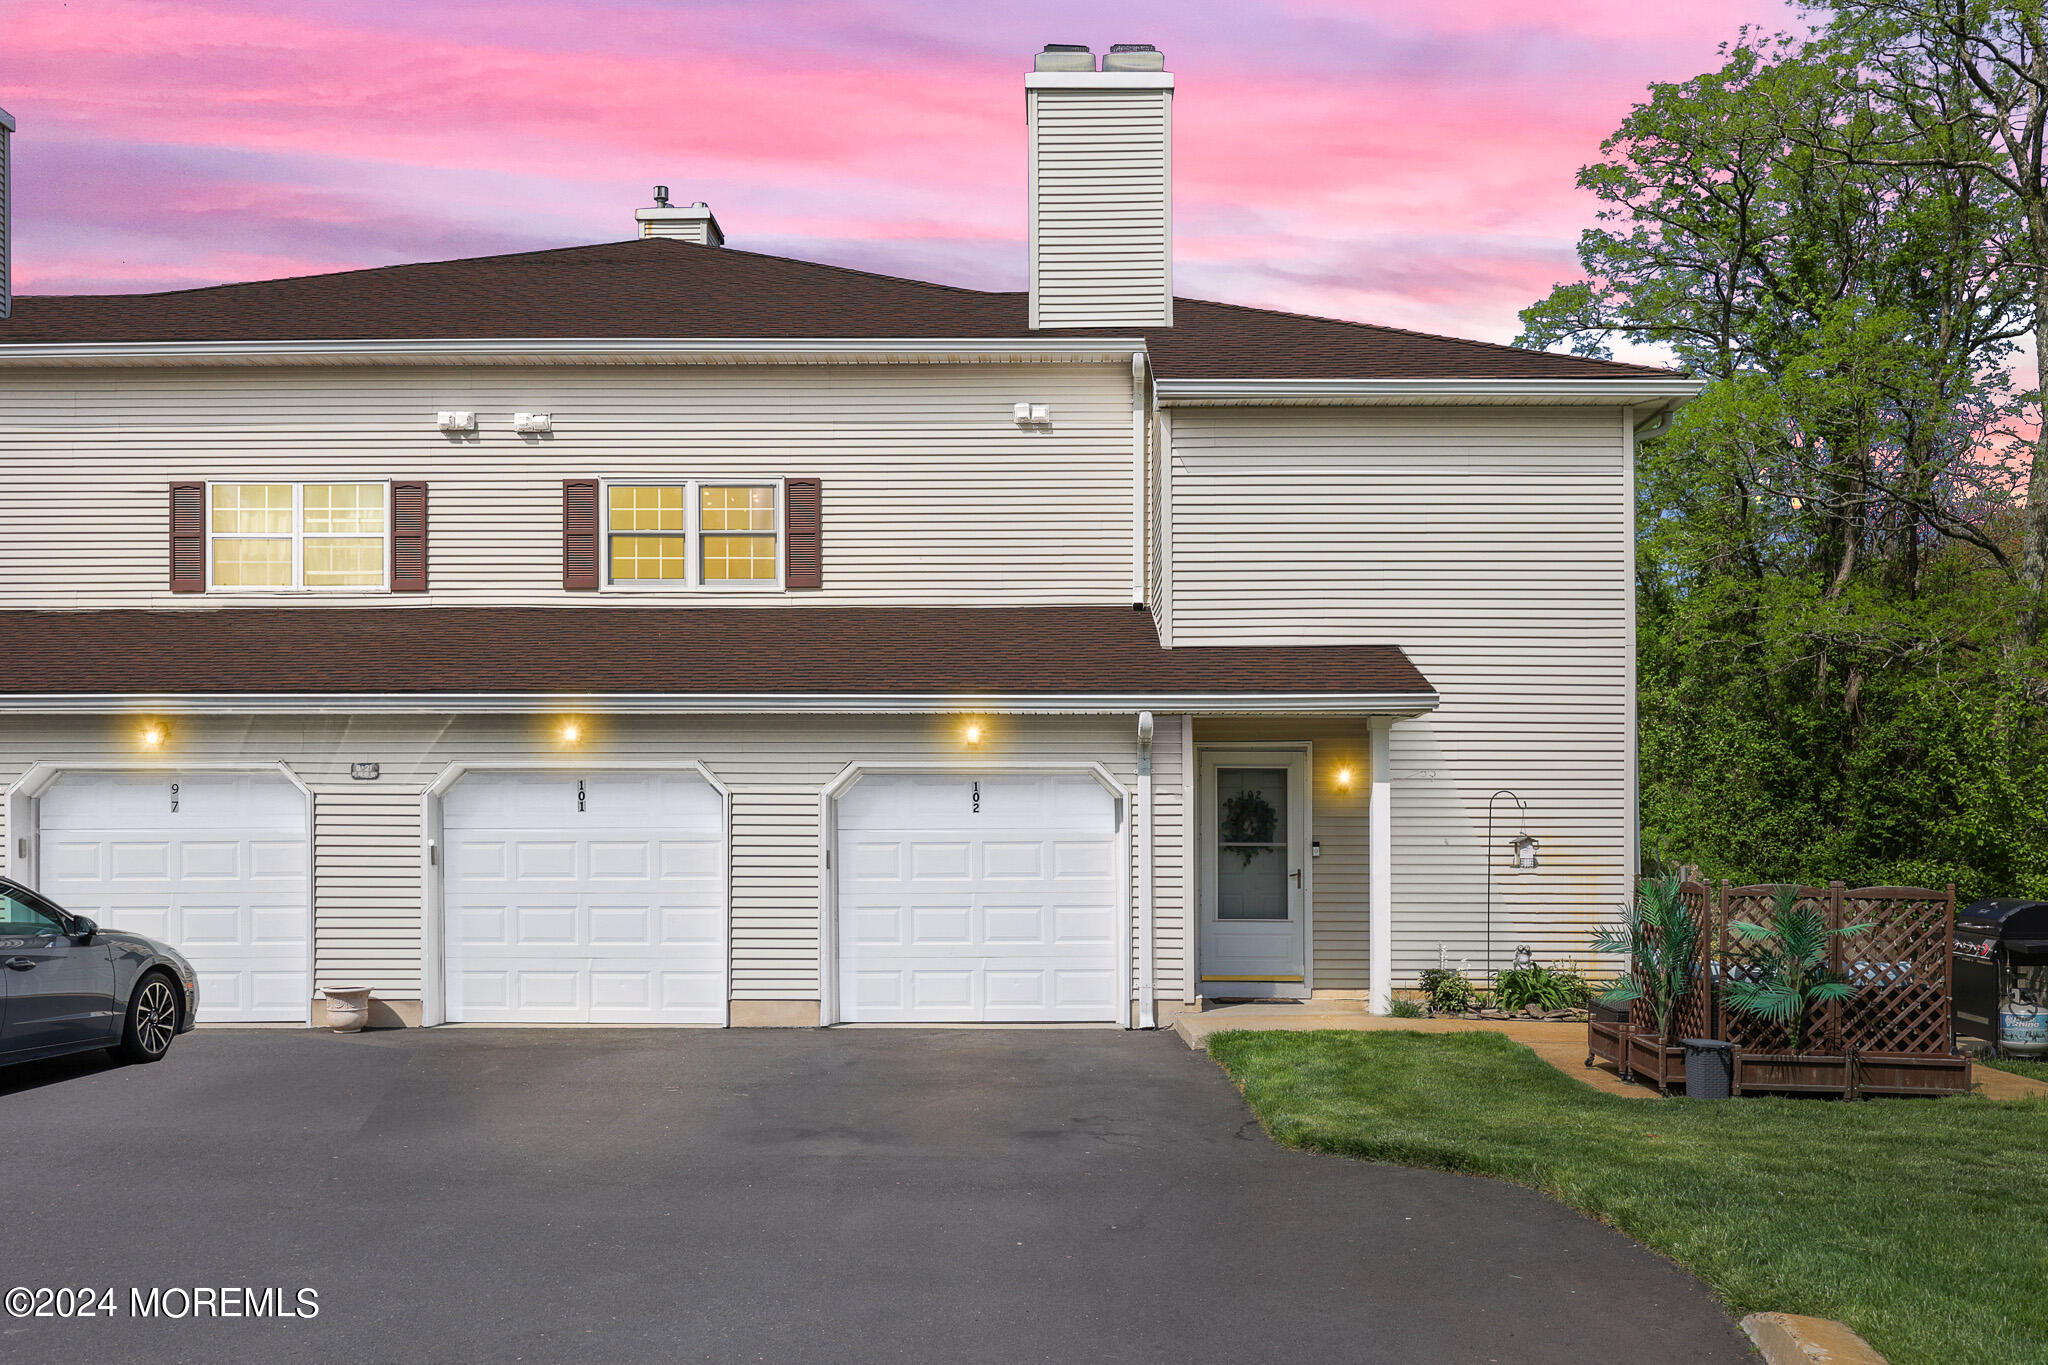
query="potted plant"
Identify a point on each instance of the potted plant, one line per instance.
(1662, 941)
(1786, 974)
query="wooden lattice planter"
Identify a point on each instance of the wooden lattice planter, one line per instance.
(1894, 1038)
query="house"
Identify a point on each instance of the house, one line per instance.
(659, 632)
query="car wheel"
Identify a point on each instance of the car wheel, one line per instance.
(152, 1021)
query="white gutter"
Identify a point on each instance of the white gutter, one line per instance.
(1319, 392)
(1142, 818)
(577, 351)
(710, 703)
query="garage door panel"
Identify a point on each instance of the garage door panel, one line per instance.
(1008, 913)
(216, 868)
(600, 914)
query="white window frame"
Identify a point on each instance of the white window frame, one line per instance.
(693, 534)
(298, 537)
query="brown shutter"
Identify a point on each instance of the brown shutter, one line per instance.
(188, 537)
(803, 524)
(579, 535)
(408, 537)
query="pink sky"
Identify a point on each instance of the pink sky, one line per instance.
(1375, 159)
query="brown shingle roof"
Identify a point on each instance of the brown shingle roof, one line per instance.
(723, 650)
(664, 288)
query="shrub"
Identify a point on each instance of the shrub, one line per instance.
(1406, 1009)
(1520, 987)
(1448, 990)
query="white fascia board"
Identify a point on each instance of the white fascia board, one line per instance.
(710, 703)
(581, 351)
(1098, 80)
(1323, 392)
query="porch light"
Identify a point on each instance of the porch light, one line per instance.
(1343, 779)
(1524, 847)
(153, 736)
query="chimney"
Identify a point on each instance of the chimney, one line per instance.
(693, 224)
(1101, 187)
(6, 225)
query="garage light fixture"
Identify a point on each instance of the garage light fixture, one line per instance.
(570, 731)
(153, 735)
(972, 734)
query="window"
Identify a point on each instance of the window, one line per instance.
(21, 919)
(287, 536)
(710, 535)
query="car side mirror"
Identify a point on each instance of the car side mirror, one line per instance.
(83, 929)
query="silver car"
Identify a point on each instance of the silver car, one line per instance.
(70, 986)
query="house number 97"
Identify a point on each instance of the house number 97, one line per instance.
(174, 798)
(977, 798)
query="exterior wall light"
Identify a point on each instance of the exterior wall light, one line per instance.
(972, 734)
(1343, 779)
(153, 735)
(571, 731)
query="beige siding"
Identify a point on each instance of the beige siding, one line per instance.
(1101, 206)
(367, 834)
(1493, 545)
(933, 495)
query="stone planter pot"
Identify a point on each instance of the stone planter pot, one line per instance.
(348, 1008)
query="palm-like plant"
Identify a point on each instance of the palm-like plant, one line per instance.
(1787, 975)
(1662, 940)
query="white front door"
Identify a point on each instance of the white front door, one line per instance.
(212, 863)
(594, 899)
(977, 899)
(1253, 850)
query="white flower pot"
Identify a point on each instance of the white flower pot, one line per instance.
(348, 1008)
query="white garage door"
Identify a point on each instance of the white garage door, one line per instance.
(213, 864)
(598, 899)
(966, 899)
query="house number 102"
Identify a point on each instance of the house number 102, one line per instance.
(977, 798)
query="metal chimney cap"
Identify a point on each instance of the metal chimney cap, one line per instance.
(1133, 57)
(661, 196)
(1064, 57)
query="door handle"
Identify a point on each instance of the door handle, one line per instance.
(1297, 876)
(21, 964)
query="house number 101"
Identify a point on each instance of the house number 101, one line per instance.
(977, 798)
(579, 794)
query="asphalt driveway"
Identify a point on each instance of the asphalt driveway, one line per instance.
(858, 1195)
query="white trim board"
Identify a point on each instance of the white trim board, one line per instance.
(1398, 704)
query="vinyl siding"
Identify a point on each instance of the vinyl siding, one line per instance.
(367, 877)
(1101, 208)
(932, 494)
(1494, 546)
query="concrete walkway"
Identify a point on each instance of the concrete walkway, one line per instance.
(1562, 1045)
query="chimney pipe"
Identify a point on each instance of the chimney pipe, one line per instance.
(1101, 165)
(6, 222)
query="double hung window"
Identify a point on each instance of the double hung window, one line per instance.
(319, 537)
(693, 534)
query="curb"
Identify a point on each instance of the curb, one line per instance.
(1788, 1339)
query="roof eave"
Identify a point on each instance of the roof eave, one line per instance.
(578, 351)
(714, 703)
(1624, 390)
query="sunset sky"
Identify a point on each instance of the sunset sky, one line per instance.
(1383, 160)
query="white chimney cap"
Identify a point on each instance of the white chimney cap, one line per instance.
(1133, 57)
(1064, 57)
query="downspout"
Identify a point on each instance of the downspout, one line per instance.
(1143, 816)
(1138, 393)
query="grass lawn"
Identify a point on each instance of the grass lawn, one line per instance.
(2019, 1066)
(1923, 1224)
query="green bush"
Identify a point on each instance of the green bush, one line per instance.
(1406, 1009)
(1520, 987)
(1449, 992)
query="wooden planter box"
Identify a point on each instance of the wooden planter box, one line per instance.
(1851, 1075)
(1633, 1052)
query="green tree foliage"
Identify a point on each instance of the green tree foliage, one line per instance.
(1839, 675)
